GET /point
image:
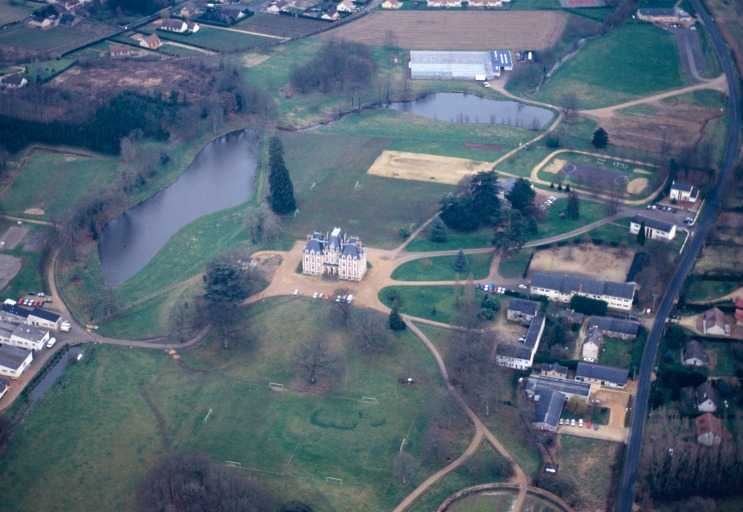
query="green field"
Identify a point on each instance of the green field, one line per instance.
(13, 12)
(593, 73)
(440, 268)
(588, 463)
(54, 181)
(432, 302)
(457, 240)
(215, 39)
(51, 40)
(616, 353)
(703, 291)
(31, 276)
(725, 362)
(553, 225)
(96, 424)
(515, 266)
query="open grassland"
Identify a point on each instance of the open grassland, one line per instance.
(625, 50)
(505, 422)
(330, 183)
(707, 291)
(590, 463)
(617, 353)
(457, 240)
(722, 359)
(437, 303)
(215, 39)
(486, 502)
(440, 268)
(418, 134)
(96, 423)
(282, 26)
(515, 266)
(719, 259)
(13, 12)
(51, 40)
(460, 30)
(30, 277)
(47, 70)
(53, 181)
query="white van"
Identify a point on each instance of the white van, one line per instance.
(65, 327)
(51, 342)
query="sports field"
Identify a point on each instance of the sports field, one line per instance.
(108, 419)
(428, 168)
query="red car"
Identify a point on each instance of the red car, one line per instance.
(327, 297)
(36, 303)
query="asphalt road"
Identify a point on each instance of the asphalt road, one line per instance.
(626, 497)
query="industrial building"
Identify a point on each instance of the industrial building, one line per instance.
(450, 65)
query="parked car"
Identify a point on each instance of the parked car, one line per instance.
(688, 220)
(522, 286)
(326, 297)
(572, 423)
(31, 293)
(596, 401)
(580, 423)
(349, 299)
(588, 424)
(595, 426)
(51, 342)
(296, 292)
(562, 421)
(36, 303)
(314, 295)
(42, 294)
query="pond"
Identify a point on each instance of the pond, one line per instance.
(458, 107)
(221, 176)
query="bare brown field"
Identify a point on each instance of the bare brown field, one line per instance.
(597, 262)
(13, 236)
(455, 30)
(429, 168)
(718, 259)
(637, 186)
(9, 267)
(684, 127)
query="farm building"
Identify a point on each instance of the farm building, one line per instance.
(664, 15)
(683, 192)
(615, 327)
(561, 288)
(334, 255)
(655, 229)
(459, 65)
(14, 360)
(606, 376)
(521, 357)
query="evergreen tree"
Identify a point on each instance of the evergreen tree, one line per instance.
(396, 321)
(521, 196)
(460, 262)
(641, 237)
(282, 189)
(438, 232)
(600, 139)
(573, 207)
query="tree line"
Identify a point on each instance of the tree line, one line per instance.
(339, 66)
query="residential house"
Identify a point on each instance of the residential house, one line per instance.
(561, 288)
(444, 3)
(571, 316)
(334, 255)
(43, 318)
(715, 323)
(190, 10)
(592, 345)
(555, 370)
(14, 360)
(739, 311)
(174, 25)
(28, 337)
(604, 376)
(345, 6)
(14, 81)
(615, 327)
(151, 42)
(710, 429)
(120, 50)
(4, 387)
(683, 191)
(548, 411)
(655, 229)
(42, 22)
(693, 354)
(330, 15)
(521, 357)
(486, 3)
(521, 310)
(277, 7)
(706, 397)
(391, 4)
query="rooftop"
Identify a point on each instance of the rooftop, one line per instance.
(568, 284)
(549, 407)
(527, 307)
(601, 372)
(652, 223)
(538, 384)
(607, 323)
(30, 333)
(12, 357)
(46, 315)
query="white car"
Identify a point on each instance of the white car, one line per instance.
(580, 423)
(552, 198)
(522, 286)
(314, 295)
(296, 292)
(572, 423)
(51, 342)
(349, 299)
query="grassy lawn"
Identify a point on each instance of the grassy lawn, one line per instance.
(215, 39)
(30, 277)
(726, 363)
(515, 266)
(616, 353)
(589, 462)
(554, 225)
(431, 302)
(440, 269)
(53, 181)
(49, 40)
(457, 240)
(285, 438)
(702, 291)
(486, 502)
(596, 84)
(12, 12)
(48, 69)
(614, 232)
(331, 186)
(506, 424)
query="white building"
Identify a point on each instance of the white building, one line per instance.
(42, 318)
(521, 357)
(561, 288)
(683, 192)
(14, 360)
(452, 65)
(28, 337)
(334, 255)
(655, 229)
(592, 345)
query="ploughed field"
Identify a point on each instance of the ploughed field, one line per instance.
(456, 30)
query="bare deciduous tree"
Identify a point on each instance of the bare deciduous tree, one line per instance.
(313, 359)
(371, 331)
(405, 467)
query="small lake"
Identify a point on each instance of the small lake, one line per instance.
(459, 107)
(221, 176)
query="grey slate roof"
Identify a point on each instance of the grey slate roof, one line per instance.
(350, 250)
(3, 383)
(567, 284)
(15, 310)
(335, 239)
(515, 351)
(652, 223)
(683, 187)
(601, 372)
(527, 307)
(6, 329)
(607, 323)
(12, 357)
(694, 349)
(532, 335)
(46, 315)
(658, 11)
(30, 333)
(539, 384)
(555, 367)
(705, 391)
(315, 244)
(549, 408)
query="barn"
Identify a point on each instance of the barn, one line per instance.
(450, 65)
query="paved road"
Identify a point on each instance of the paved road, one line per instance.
(626, 498)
